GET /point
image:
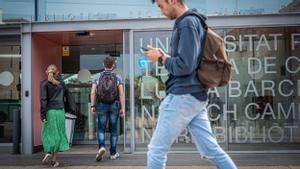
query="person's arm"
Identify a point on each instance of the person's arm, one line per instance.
(188, 51)
(43, 101)
(93, 94)
(122, 100)
(70, 105)
(154, 54)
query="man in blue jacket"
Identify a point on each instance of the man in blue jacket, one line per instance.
(186, 100)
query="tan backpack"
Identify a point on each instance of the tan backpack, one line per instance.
(214, 70)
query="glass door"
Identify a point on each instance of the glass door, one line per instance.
(79, 69)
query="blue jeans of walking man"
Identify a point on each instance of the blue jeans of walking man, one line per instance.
(108, 112)
(177, 112)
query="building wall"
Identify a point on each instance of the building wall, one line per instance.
(44, 52)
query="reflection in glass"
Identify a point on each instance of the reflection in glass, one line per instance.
(263, 93)
(260, 106)
(10, 60)
(17, 10)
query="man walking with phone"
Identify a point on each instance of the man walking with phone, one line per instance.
(186, 100)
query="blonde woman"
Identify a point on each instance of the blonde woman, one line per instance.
(54, 138)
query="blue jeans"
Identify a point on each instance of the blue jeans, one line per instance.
(177, 112)
(108, 112)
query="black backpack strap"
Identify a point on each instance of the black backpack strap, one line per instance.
(108, 72)
(116, 78)
(100, 77)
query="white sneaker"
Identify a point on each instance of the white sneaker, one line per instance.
(115, 156)
(54, 164)
(100, 154)
(46, 159)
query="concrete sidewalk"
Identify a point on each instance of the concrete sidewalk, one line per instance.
(138, 161)
(142, 167)
(83, 157)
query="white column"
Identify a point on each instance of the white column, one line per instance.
(26, 101)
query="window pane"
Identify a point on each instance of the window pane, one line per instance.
(264, 92)
(17, 10)
(10, 60)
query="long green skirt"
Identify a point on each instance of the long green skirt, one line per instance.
(54, 138)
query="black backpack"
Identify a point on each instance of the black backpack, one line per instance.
(107, 88)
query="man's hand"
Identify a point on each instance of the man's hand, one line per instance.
(122, 112)
(93, 110)
(154, 53)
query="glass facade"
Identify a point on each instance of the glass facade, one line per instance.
(149, 86)
(263, 97)
(10, 62)
(260, 107)
(71, 10)
(17, 10)
(258, 110)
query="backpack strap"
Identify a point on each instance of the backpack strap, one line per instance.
(202, 19)
(100, 77)
(102, 74)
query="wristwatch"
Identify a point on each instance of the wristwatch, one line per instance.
(92, 106)
(159, 59)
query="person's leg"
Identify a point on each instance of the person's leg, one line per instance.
(54, 162)
(54, 135)
(54, 156)
(113, 120)
(102, 114)
(205, 141)
(173, 118)
(102, 121)
(47, 158)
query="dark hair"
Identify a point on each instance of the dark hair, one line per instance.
(180, 1)
(109, 61)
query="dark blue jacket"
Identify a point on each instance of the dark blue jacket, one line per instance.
(187, 39)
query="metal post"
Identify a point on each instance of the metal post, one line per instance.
(17, 131)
